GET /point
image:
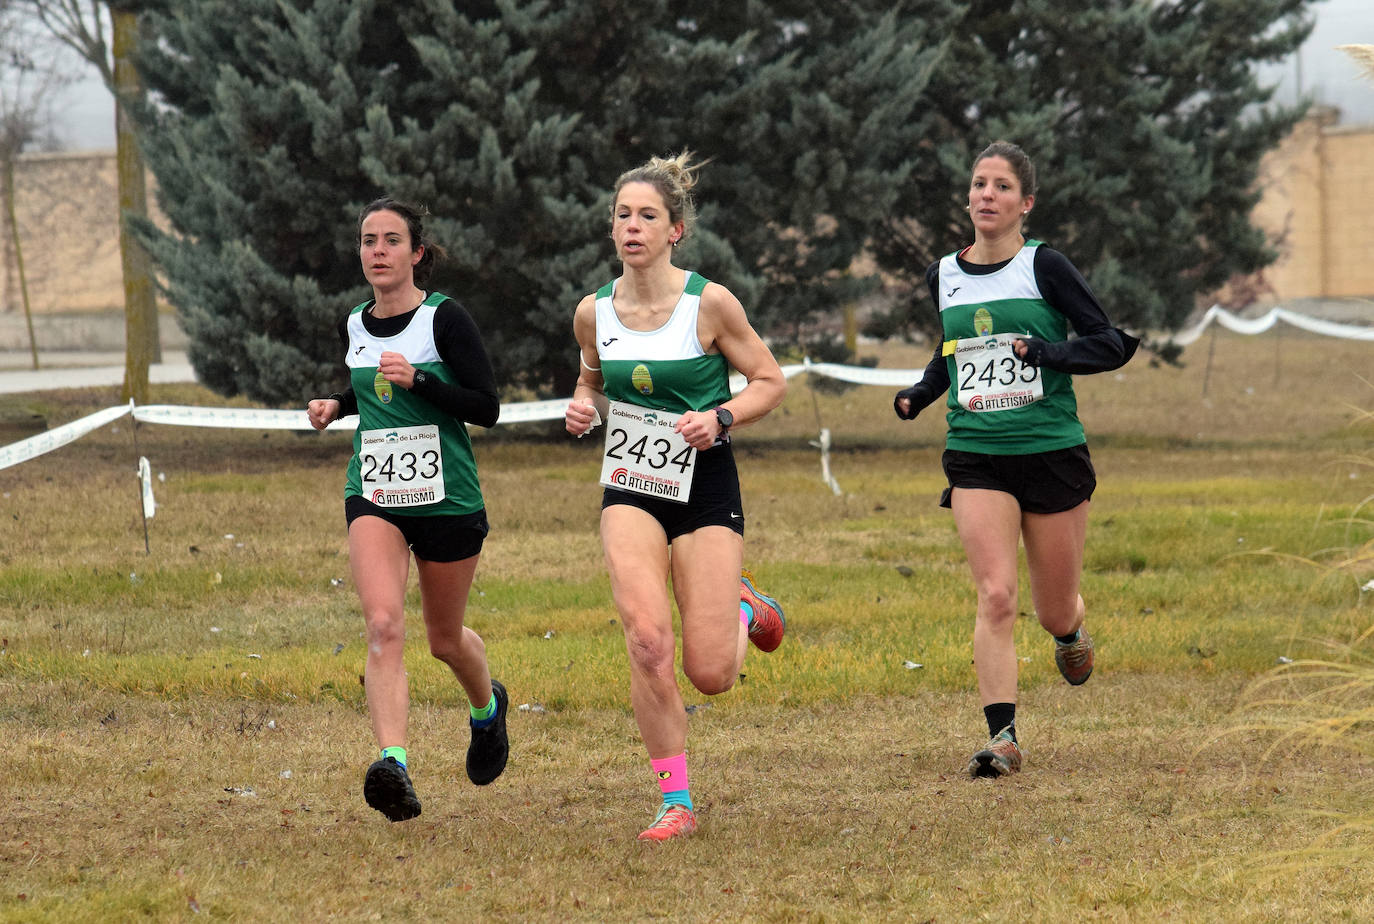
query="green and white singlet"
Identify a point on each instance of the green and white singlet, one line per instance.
(665, 369)
(408, 456)
(975, 309)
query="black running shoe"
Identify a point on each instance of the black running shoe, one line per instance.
(489, 748)
(387, 789)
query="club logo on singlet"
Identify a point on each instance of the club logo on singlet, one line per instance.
(642, 380)
(382, 387)
(982, 322)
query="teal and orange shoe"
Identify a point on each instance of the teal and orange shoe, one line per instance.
(673, 820)
(1075, 660)
(767, 625)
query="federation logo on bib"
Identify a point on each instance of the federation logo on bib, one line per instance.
(642, 380)
(982, 322)
(382, 387)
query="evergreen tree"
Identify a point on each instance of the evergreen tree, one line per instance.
(831, 128)
(1147, 127)
(510, 120)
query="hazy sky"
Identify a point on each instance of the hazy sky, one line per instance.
(85, 113)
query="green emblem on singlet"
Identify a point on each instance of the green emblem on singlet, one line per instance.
(641, 380)
(982, 322)
(382, 387)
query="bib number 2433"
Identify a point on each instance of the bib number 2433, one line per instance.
(401, 467)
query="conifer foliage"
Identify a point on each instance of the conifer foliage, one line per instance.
(831, 128)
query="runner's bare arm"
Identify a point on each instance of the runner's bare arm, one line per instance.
(589, 398)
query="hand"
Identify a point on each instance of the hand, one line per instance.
(579, 417)
(322, 412)
(902, 404)
(396, 370)
(1030, 351)
(699, 428)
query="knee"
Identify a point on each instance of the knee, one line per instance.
(385, 631)
(997, 604)
(651, 650)
(446, 648)
(710, 678)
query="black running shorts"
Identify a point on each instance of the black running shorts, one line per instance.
(1041, 482)
(714, 501)
(439, 539)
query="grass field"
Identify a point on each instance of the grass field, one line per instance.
(186, 737)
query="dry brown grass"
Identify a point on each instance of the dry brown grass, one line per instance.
(119, 808)
(820, 801)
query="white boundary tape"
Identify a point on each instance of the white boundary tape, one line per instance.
(1261, 324)
(531, 411)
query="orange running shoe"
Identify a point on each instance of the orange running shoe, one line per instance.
(673, 820)
(1000, 757)
(768, 624)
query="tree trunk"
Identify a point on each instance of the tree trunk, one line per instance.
(142, 346)
(13, 215)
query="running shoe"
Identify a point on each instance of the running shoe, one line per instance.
(489, 748)
(768, 624)
(1075, 660)
(1001, 756)
(387, 789)
(673, 820)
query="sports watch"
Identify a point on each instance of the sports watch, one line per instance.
(421, 377)
(724, 418)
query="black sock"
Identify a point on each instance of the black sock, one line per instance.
(1067, 639)
(1000, 716)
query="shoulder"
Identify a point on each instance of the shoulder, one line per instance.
(716, 298)
(1049, 260)
(449, 310)
(933, 272)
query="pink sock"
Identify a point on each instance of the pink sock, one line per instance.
(671, 772)
(745, 614)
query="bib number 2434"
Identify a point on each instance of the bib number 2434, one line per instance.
(644, 456)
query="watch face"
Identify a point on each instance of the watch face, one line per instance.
(725, 418)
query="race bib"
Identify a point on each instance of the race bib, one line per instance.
(643, 454)
(991, 377)
(402, 467)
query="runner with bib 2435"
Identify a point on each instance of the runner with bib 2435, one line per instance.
(1015, 454)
